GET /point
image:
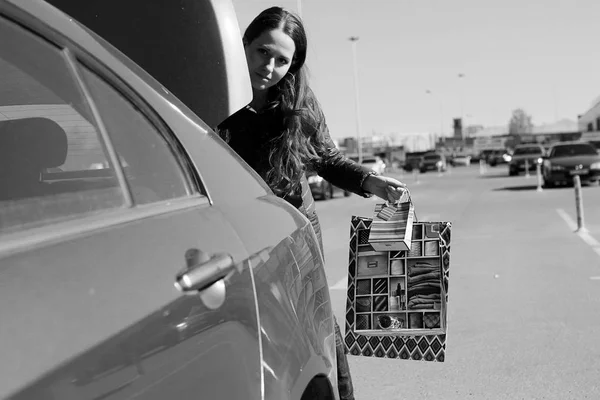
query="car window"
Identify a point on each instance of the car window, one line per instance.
(573, 150)
(49, 145)
(527, 150)
(150, 161)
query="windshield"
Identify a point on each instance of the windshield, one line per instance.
(432, 157)
(573, 150)
(527, 150)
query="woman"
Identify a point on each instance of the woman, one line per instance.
(282, 133)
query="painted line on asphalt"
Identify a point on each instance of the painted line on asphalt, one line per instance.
(342, 284)
(584, 235)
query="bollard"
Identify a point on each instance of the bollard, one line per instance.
(416, 175)
(527, 169)
(440, 169)
(538, 171)
(481, 167)
(579, 204)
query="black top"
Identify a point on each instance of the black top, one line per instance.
(249, 133)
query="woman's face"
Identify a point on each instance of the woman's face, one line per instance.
(269, 58)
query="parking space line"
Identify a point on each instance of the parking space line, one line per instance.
(584, 235)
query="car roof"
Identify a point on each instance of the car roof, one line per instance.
(570, 143)
(522, 146)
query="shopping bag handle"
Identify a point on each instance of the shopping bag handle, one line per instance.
(397, 202)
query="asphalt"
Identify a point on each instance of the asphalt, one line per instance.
(524, 290)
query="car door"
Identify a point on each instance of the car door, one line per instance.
(98, 267)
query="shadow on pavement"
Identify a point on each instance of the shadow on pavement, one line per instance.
(497, 175)
(517, 188)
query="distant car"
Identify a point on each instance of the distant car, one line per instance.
(323, 189)
(497, 157)
(375, 163)
(484, 154)
(131, 268)
(412, 162)
(433, 162)
(525, 156)
(565, 160)
(461, 160)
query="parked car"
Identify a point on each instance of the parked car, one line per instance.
(323, 189)
(461, 159)
(484, 154)
(149, 275)
(497, 157)
(567, 159)
(412, 162)
(433, 161)
(375, 163)
(525, 156)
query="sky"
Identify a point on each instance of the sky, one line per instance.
(539, 55)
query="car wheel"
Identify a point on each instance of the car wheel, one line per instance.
(512, 173)
(347, 193)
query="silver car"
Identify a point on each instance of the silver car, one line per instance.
(131, 267)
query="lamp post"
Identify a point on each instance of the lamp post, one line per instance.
(429, 92)
(353, 40)
(461, 76)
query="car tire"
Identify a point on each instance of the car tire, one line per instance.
(347, 193)
(512, 173)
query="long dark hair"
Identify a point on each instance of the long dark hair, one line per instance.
(293, 102)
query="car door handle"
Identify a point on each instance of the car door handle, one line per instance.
(204, 274)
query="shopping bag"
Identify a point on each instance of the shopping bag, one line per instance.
(397, 299)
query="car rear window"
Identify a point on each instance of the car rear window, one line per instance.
(527, 150)
(574, 150)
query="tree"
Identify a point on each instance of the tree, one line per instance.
(520, 122)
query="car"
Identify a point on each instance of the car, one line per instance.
(567, 159)
(374, 163)
(461, 159)
(321, 188)
(433, 161)
(484, 154)
(497, 157)
(525, 157)
(412, 162)
(131, 265)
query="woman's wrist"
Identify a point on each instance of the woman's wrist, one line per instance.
(367, 183)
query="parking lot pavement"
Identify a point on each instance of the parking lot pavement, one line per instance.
(524, 291)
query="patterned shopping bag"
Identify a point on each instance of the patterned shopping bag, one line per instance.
(399, 308)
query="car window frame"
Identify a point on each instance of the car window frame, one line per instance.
(31, 238)
(194, 185)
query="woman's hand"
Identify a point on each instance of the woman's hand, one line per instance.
(389, 189)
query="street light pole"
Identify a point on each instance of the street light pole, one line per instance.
(429, 92)
(353, 40)
(462, 94)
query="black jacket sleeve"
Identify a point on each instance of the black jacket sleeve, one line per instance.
(340, 170)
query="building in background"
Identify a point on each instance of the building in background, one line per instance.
(590, 120)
